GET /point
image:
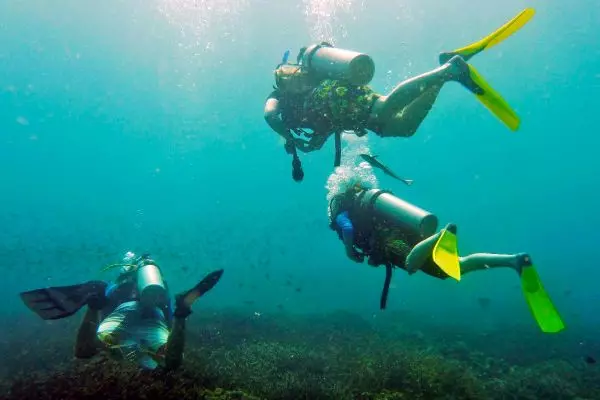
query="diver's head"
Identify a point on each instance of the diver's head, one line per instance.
(128, 263)
(358, 187)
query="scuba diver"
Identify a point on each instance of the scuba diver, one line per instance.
(389, 231)
(132, 317)
(325, 92)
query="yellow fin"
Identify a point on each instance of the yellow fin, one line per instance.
(542, 308)
(496, 37)
(494, 102)
(445, 254)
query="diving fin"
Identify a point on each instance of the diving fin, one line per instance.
(542, 308)
(59, 301)
(201, 288)
(445, 252)
(496, 37)
(492, 99)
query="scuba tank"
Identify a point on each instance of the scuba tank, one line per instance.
(396, 211)
(327, 62)
(376, 206)
(151, 287)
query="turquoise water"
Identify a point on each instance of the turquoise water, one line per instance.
(138, 125)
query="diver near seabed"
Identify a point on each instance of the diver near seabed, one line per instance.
(389, 231)
(325, 92)
(132, 317)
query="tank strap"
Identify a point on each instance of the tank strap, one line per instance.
(338, 149)
(371, 205)
(311, 52)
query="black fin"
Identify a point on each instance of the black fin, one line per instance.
(208, 282)
(57, 302)
(201, 288)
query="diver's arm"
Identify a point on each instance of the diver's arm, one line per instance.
(302, 145)
(315, 143)
(86, 346)
(183, 304)
(273, 118)
(347, 228)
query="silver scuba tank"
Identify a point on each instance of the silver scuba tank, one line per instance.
(328, 62)
(397, 212)
(150, 284)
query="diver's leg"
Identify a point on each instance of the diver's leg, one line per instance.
(410, 118)
(183, 308)
(386, 107)
(420, 253)
(86, 345)
(175, 343)
(480, 261)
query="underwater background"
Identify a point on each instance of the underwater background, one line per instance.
(138, 125)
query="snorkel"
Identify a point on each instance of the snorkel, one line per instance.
(285, 57)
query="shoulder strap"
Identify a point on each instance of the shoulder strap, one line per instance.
(338, 149)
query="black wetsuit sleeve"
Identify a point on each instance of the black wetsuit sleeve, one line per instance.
(275, 94)
(175, 344)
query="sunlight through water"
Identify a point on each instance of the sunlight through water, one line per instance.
(198, 20)
(324, 17)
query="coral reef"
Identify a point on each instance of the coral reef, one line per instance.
(233, 355)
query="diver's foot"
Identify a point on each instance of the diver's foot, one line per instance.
(451, 228)
(444, 57)
(458, 70)
(182, 310)
(522, 260)
(184, 301)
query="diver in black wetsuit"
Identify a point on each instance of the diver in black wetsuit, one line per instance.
(376, 225)
(327, 91)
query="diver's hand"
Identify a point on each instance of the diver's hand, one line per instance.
(302, 145)
(355, 255)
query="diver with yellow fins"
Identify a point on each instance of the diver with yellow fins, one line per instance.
(132, 318)
(389, 231)
(325, 92)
